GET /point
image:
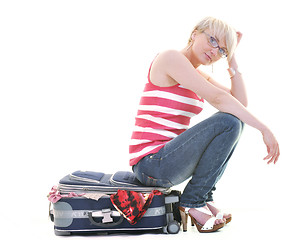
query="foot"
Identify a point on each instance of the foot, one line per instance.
(215, 211)
(201, 217)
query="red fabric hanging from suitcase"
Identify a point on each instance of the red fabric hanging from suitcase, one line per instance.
(132, 205)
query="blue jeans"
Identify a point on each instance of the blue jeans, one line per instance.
(201, 152)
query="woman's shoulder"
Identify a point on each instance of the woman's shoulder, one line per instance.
(159, 72)
(171, 59)
(166, 58)
(170, 54)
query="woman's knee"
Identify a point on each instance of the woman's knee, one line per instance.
(231, 122)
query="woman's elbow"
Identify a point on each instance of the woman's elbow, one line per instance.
(217, 100)
(222, 101)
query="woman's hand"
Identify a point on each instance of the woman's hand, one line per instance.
(232, 62)
(272, 146)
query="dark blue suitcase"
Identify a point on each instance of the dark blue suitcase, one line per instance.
(90, 209)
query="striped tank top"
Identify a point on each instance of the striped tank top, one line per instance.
(163, 114)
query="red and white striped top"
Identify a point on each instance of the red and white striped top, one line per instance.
(163, 114)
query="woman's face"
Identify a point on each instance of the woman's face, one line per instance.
(207, 48)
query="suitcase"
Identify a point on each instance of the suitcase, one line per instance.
(82, 204)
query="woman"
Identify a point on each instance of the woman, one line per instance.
(164, 152)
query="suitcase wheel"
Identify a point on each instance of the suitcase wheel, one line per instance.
(173, 227)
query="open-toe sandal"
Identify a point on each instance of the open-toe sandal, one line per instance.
(220, 215)
(209, 226)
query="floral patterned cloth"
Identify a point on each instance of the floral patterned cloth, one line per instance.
(132, 205)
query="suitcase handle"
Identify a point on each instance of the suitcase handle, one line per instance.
(104, 224)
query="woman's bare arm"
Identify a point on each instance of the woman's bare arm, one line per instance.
(179, 68)
(238, 89)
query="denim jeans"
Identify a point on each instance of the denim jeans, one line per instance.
(201, 152)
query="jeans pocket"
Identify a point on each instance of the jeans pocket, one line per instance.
(155, 182)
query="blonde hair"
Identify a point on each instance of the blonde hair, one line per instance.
(220, 30)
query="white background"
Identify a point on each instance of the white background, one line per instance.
(71, 76)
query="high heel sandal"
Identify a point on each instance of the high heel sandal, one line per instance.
(220, 215)
(209, 226)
